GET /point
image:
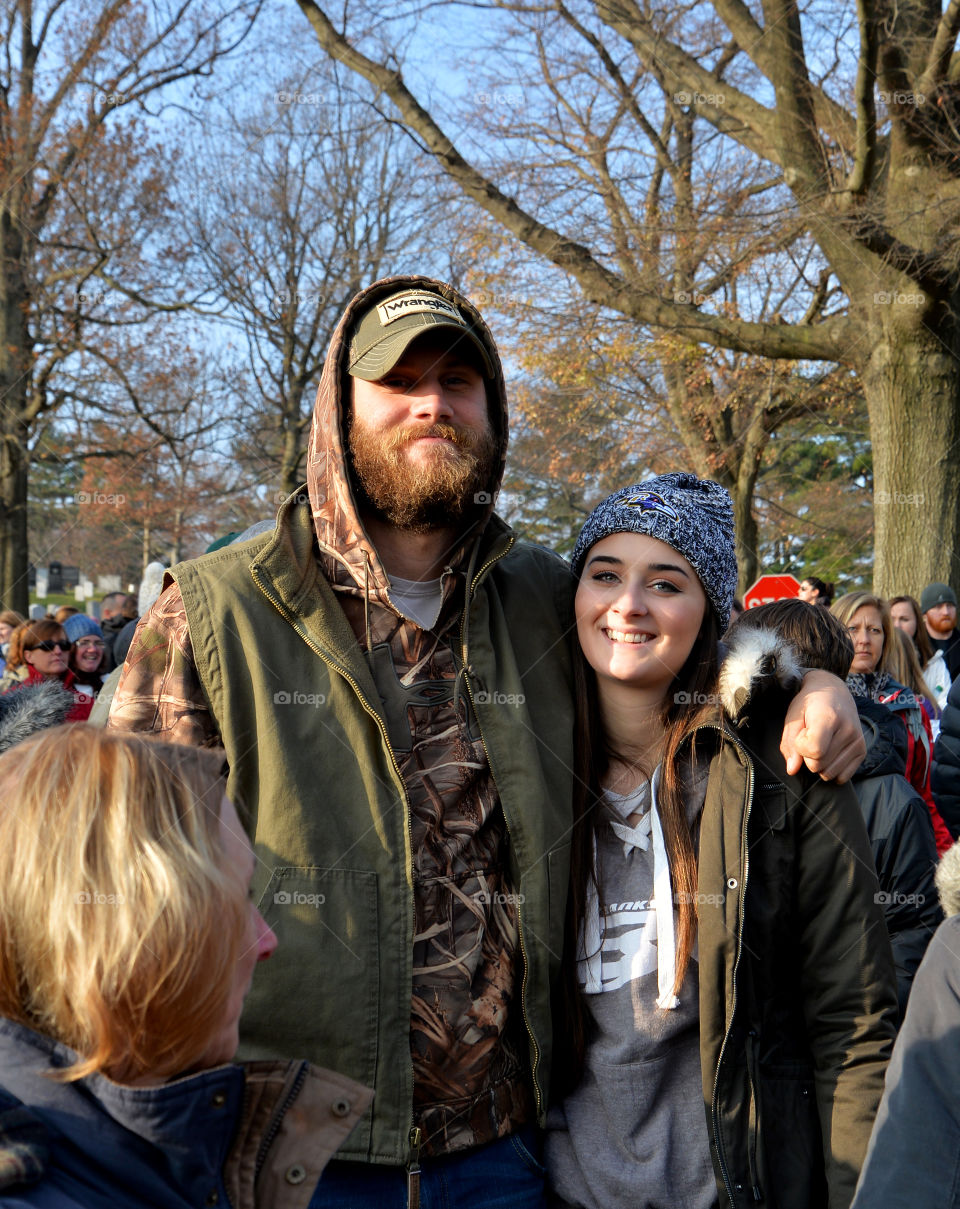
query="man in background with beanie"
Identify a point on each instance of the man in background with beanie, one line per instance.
(389, 673)
(938, 604)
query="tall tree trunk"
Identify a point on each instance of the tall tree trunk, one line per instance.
(912, 385)
(176, 547)
(290, 477)
(14, 589)
(747, 535)
(15, 383)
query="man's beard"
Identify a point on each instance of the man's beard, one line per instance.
(430, 494)
(943, 626)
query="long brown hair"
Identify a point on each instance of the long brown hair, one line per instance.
(920, 638)
(690, 700)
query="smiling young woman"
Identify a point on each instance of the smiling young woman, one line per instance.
(709, 889)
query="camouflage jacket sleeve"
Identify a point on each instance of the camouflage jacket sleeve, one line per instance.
(159, 689)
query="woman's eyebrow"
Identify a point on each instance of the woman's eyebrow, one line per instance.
(668, 567)
(618, 562)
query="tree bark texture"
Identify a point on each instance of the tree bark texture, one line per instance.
(912, 385)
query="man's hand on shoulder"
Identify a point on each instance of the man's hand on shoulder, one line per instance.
(822, 729)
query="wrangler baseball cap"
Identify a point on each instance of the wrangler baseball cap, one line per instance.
(383, 332)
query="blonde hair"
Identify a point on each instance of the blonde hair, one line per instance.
(120, 928)
(844, 609)
(11, 618)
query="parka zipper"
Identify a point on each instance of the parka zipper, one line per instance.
(277, 1120)
(745, 861)
(538, 1094)
(753, 1075)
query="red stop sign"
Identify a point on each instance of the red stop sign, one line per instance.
(770, 587)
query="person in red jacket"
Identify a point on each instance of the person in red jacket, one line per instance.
(40, 650)
(868, 622)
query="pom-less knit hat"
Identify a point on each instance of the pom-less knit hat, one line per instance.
(936, 594)
(694, 516)
(82, 626)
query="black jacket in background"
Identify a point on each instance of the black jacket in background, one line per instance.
(901, 837)
(110, 629)
(945, 778)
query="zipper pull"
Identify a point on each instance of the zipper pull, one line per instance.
(413, 1168)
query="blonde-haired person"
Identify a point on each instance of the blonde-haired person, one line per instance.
(872, 675)
(128, 942)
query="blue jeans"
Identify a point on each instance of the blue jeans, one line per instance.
(506, 1174)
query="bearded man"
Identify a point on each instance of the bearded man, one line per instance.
(389, 672)
(938, 604)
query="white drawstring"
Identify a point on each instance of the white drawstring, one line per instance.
(663, 898)
(589, 957)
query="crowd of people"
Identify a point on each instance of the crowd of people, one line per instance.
(574, 893)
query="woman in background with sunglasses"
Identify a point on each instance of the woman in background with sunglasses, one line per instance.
(39, 652)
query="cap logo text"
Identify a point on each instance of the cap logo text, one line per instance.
(410, 304)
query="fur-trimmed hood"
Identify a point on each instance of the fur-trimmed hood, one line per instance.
(758, 663)
(33, 707)
(947, 878)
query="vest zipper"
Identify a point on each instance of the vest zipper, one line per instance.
(745, 861)
(538, 1094)
(381, 726)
